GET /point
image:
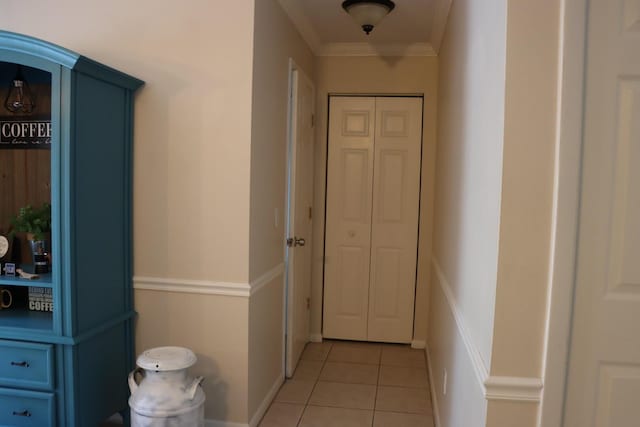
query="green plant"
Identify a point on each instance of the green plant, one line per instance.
(34, 221)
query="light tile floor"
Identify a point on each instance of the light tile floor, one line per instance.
(352, 384)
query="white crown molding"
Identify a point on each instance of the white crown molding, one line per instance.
(300, 20)
(440, 18)
(519, 389)
(381, 49)
(479, 368)
(206, 287)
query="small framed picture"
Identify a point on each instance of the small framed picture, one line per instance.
(10, 269)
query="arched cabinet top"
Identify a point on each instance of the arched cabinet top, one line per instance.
(26, 45)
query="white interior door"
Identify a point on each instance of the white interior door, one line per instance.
(373, 190)
(299, 219)
(394, 224)
(348, 217)
(603, 387)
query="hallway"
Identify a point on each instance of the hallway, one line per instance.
(354, 384)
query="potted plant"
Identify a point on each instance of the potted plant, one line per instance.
(36, 223)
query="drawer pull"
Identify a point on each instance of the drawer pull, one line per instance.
(21, 364)
(24, 413)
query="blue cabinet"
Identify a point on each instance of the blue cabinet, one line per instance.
(65, 364)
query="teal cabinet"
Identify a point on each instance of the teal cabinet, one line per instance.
(66, 337)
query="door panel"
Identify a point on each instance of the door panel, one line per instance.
(603, 387)
(348, 218)
(394, 235)
(355, 195)
(351, 284)
(388, 273)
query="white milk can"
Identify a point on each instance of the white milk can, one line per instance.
(166, 396)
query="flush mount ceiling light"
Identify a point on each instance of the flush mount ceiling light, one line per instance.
(368, 13)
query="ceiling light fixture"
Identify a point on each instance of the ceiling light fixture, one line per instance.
(368, 13)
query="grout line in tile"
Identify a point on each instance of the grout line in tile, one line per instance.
(377, 385)
(375, 398)
(306, 405)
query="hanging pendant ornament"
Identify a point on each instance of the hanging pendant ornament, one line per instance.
(19, 98)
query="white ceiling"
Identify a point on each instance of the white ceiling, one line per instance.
(414, 27)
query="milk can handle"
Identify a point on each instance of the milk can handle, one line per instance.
(194, 386)
(133, 384)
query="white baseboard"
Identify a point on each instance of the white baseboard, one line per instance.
(257, 417)
(419, 344)
(262, 409)
(315, 337)
(434, 397)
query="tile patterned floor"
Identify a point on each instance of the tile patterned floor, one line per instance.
(350, 384)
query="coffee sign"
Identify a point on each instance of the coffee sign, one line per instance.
(25, 134)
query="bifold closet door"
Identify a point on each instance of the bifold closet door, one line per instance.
(373, 185)
(348, 219)
(394, 223)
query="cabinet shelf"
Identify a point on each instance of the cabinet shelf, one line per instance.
(43, 281)
(26, 319)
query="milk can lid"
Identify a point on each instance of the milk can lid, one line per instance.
(166, 359)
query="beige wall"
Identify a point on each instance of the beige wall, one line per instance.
(495, 180)
(215, 328)
(192, 131)
(376, 75)
(192, 120)
(275, 41)
(527, 188)
(266, 343)
(467, 205)
(527, 202)
(192, 164)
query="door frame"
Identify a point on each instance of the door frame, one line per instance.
(294, 71)
(567, 175)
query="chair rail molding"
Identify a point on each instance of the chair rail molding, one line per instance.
(515, 389)
(479, 368)
(519, 389)
(207, 287)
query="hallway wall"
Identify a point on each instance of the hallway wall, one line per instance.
(494, 201)
(192, 148)
(376, 75)
(467, 207)
(526, 241)
(276, 40)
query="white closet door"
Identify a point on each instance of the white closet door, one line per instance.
(348, 220)
(394, 230)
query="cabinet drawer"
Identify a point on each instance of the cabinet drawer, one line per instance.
(21, 408)
(26, 365)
